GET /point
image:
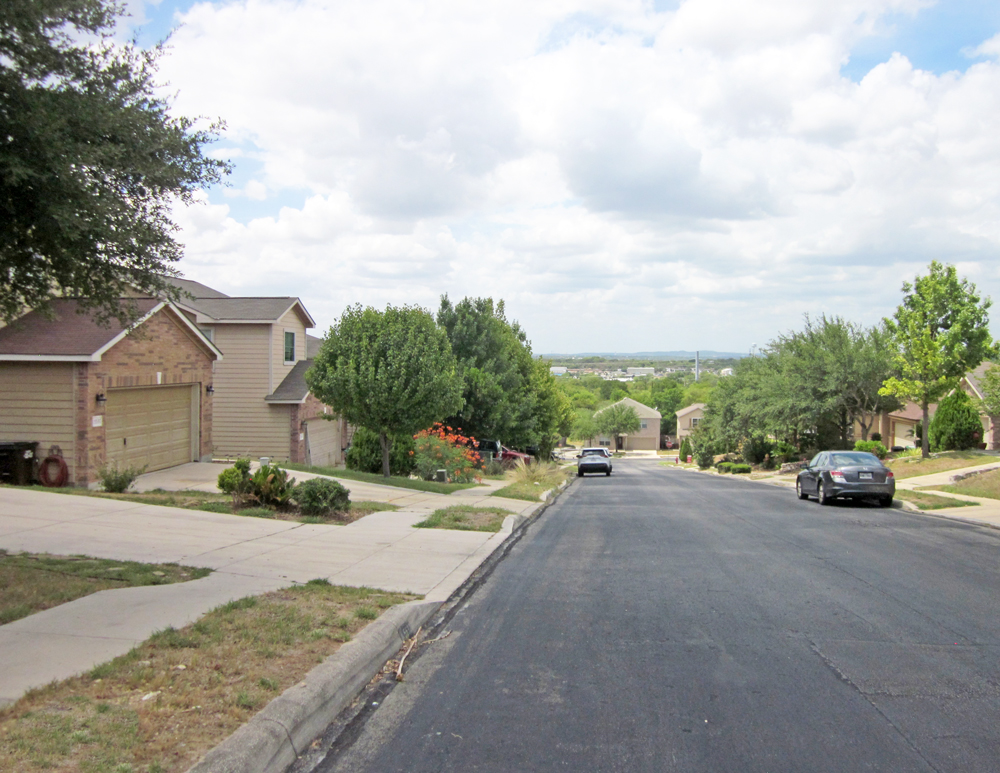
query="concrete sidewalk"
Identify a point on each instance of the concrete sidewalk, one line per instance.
(249, 556)
(988, 511)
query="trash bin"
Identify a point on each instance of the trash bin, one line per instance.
(17, 462)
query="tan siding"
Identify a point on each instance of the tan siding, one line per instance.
(243, 424)
(292, 323)
(37, 405)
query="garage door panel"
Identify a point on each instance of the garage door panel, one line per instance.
(149, 427)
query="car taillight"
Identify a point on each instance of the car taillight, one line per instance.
(889, 475)
(838, 477)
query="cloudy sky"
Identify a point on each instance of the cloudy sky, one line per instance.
(626, 175)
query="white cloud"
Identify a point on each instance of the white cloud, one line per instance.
(697, 178)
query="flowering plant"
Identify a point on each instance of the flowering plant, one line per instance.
(444, 448)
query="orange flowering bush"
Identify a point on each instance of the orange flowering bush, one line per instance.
(444, 448)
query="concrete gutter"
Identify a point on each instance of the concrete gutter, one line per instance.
(277, 735)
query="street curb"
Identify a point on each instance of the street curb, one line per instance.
(276, 736)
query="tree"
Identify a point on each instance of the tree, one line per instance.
(941, 332)
(585, 427)
(391, 371)
(618, 419)
(956, 424)
(498, 371)
(91, 161)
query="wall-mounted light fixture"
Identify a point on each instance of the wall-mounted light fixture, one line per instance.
(101, 398)
(210, 390)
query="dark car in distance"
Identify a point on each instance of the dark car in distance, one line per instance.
(833, 474)
(593, 460)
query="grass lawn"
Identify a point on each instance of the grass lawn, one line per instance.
(221, 503)
(160, 707)
(986, 484)
(31, 582)
(930, 501)
(395, 480)
(466, 518)
(912, 466)
(530, 481)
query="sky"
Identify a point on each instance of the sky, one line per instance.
(626, 176)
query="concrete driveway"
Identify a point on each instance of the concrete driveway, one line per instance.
(248, 556)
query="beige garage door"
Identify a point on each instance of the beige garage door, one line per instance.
(323, 442)
(150, 427)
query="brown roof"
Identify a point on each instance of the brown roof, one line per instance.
(67, 334)
(293, 389)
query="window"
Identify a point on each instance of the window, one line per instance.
(642, 425)
(695, 422)
(208, 332)
(289, 347)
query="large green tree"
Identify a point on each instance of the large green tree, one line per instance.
(91, 160)
(391, 371)
(941, 332)
(618, 419)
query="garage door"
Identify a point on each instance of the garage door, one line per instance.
(150, 427)
(323, 442)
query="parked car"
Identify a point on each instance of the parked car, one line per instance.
(593, 460)
(855, 474)
(499, 452)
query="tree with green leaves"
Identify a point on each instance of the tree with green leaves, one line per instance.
(941, 332)
(585, 427)
(617, 420)
(956, 424)
(989, 383)
(391, 371)
(91, 161)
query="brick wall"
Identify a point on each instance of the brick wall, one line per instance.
(162, 345)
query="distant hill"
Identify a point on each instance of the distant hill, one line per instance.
(704, 355)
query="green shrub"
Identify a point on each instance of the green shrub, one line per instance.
(271, 487)
(724, 467)
(235, 481)
(956, 424)
(740, 469)
(872, 447)
(320, 496)
(753, 449)
(435, 453)
(365, 453)
(784, 452)
(702, 448)
(875, 436)
(685, 450)
(118, 480)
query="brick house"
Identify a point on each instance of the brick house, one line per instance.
(139, 396)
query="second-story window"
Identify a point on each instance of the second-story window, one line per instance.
(289, 347)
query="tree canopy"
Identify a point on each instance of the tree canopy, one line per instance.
(391, 371)
(617, 419)
(91, 160)
(941, 332)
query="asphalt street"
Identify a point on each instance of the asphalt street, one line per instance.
(662, 620)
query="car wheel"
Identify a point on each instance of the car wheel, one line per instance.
(579, 473)
(885, 501)
(608, 473)
(799, 492)
(821, 496)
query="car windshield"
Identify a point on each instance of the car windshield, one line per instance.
(851, 459)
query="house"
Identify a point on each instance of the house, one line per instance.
(898, 428)
(689, 418)
(262, 404)
(635, 372)
(648, 436)
(971, 384)
(138, 396)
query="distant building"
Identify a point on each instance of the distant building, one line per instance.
(641, 371)
(688, 419)
(558, 371)
(726, 372)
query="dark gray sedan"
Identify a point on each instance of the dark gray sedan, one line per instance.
(833, 474)
(593, 460)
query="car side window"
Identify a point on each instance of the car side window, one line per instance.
(815, 462)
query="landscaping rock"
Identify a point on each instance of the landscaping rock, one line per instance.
(791, 467)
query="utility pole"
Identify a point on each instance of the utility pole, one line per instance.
(697, 365)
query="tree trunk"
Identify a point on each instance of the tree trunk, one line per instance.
(925, 422)
(383, 439)
(864, 427)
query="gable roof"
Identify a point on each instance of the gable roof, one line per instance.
(974, 377)
(197, 289)
(690, 409)
(71, 336)
(644, 411)
(312, 346)
(293, 388)
(247, 310)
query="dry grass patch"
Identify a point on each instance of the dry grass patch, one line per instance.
(930, 501)
(912, 466)
(31, 582)
(530, 481)
(159, 708)
(985, 484)
(466, 518)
